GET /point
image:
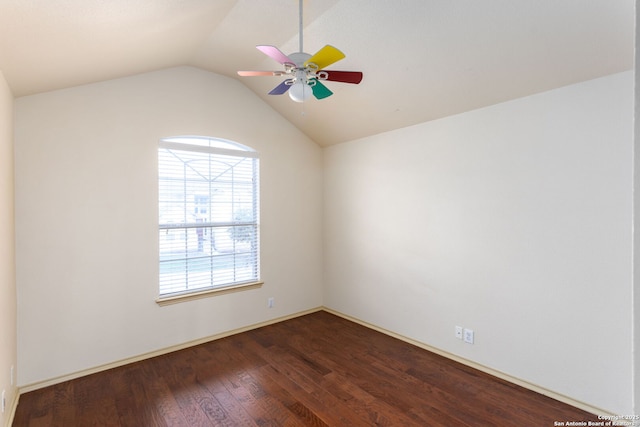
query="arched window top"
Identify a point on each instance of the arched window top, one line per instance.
(207, 141)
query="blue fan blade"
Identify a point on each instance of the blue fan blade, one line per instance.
(281, 88)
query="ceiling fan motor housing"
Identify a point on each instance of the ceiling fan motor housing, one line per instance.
(299, 58)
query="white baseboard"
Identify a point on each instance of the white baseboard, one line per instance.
(12, 408)
(490, 371)
(525, 384)
(46, 383)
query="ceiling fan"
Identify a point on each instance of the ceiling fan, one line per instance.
(305, 72)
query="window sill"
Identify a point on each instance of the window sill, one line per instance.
(177, 298)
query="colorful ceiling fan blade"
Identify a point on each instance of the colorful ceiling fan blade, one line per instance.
(281, 88)
(260, 73)
(325, 57)
(354, 77)
(275, 53)
(320, 91)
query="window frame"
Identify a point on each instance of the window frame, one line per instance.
(208, 147)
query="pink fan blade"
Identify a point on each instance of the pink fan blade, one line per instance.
(275, 53)
(354, 77)
(281, 88)
(260, 73)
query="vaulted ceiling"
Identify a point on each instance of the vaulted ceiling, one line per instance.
(422, 59)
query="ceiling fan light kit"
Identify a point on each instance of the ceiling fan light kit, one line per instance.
(304, 72)
(300, 91)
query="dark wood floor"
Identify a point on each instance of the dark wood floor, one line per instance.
(315, 370)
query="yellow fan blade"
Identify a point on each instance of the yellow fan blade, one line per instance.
(325, 57)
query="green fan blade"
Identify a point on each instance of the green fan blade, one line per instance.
(320, 91)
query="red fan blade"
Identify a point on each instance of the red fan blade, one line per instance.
(281, 88)
(354, 77)
(260, 73)
(275, 53)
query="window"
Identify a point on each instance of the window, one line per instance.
(208, 215)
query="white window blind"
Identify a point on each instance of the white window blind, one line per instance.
(208, 214)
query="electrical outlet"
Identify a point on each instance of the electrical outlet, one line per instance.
(270, 302)
(459, 332)
(468, 336)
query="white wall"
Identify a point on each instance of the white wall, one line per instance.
(8, 304)
(86, 218)
(513, 220)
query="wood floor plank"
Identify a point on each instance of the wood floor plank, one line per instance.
(314, 370)
(140, 403)
(263, 407)
(180, 378)
(332, 415)
(300, 375)
(222, 408)
(63, 413)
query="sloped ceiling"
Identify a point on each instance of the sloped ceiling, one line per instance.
(422, 59)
